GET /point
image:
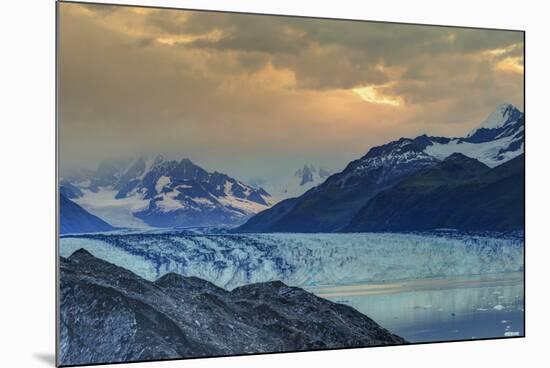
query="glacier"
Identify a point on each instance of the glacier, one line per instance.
(305, 260)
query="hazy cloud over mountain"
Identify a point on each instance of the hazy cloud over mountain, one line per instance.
(250, 94)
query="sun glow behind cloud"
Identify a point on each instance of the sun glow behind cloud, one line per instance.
(373, 95)
(171, 40)
(511, 64)
(224, 89)
(507, 58)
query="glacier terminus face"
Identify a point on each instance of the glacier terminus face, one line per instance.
(304, 260)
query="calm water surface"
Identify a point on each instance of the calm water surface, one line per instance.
(440, 309)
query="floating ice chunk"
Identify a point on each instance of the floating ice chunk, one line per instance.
(428, 306)
(511, 333)
(498, 307)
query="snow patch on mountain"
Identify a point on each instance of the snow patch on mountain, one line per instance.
(117, 212)
(489, 152)
(241, 205)
(385, 163)
(393, 159)
(168, 202)
(161, 183)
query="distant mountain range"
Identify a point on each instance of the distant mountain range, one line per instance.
(342, 201)
(295, 182)
(164, 193)
(310, 174)
(155, 192)
(177, 317)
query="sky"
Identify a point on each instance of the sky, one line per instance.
(259, 96)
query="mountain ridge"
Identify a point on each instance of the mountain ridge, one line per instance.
(458, 193)
(170, 193)
(182, 317)
(330, 206)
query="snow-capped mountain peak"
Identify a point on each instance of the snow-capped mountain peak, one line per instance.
(498, 139)
(167, 193)
(331, 205)
(305, 174)
(502, 116)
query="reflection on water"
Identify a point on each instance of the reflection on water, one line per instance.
(442, 309)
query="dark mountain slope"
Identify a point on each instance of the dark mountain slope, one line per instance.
(69, 190)
(75, 219)
(267, 220)
(109, 314)
(330, 206)
(459, 193)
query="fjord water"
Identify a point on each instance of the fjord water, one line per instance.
(456, 308)
(423, 287)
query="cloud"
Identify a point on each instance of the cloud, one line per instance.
(237, 91)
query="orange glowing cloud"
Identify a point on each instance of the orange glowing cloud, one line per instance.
(372, 94)
(235, 91)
